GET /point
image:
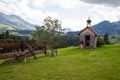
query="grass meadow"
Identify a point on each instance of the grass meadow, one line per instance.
(71, 63)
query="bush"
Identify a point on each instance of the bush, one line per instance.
(100, 42)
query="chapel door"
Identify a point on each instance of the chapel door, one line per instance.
(87, 40)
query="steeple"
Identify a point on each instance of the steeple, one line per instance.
(89, 22)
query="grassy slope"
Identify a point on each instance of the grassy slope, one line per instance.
(6, 27)
(71, 64)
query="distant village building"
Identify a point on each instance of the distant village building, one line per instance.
(88, 36)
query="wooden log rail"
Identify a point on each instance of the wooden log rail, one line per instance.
(10, 55)
(17, 46)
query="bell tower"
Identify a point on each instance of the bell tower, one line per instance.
(89, 22)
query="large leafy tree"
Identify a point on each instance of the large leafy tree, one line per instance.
(48, 33)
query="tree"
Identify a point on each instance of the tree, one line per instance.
(48, 33)
(7, 34)
(100, 42)
(4, 35)
(106, 38)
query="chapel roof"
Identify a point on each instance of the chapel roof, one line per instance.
(93, 31)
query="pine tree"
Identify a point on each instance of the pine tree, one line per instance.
(106, 38)
(7, 34)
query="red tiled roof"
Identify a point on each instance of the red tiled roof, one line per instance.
(93, 31)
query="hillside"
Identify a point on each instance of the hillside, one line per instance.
(14, 31)
(4, 27)
(15, 21)
(71, 64)
(107, 27)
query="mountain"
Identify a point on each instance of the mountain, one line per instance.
(107, 27)
(67, 30)
(16, 22)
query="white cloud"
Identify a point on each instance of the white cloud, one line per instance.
(74, 23)
(67, 4)
(37, 3)
(106, 13)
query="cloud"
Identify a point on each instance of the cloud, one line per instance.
(108, 3)
(105, 13)
(37, 3)
(67, 4)
(22, 9)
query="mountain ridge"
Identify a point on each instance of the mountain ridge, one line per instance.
(16, 21)
(108, 27)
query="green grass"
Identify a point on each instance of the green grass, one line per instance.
(71, 64)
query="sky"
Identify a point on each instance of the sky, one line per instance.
(72, 13)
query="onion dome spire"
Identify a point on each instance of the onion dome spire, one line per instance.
(89, 22)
